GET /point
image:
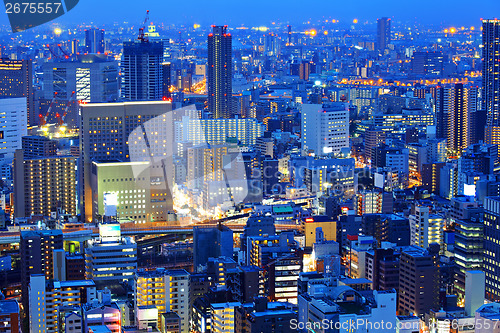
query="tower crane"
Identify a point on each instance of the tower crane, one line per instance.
(43, 119)
(142, 37)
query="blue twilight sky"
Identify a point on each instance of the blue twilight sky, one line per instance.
(259, 12)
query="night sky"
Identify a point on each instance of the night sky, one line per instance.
(260, 12)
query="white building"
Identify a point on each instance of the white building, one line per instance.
(328, 307)
(47, 297)
(426, 228)
(325, 128)
(488, 315)
(111, 257)
(13, 126)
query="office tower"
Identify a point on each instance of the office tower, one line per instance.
(13, 126)
(491, 262)
(133, 196)
(38, 146)
(119, 120)
(9, 316)
(94, 40)
(325, 128)
(16, 80)
(167, 290)
(426, 228)
(219, 79)
(142, 70)
(491, 79)
(418, 282)
(48, 299)
(92, 77)
(271, 45)
(44, 184)
(111, 257)
(204, 164)
(383, 33)
(454, 108)
(211, 243)
(427, 63)
(75, 267)
(431, 176)
(36, 249)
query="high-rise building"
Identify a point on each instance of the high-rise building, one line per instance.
(142, 70)
(220, 76)
(383, 33)
(36, 249)
(44, 184)
(13, 126)
(118, 121)
(418, 282)
(325, 128)
(92, 77)
(454, 108)
(491, 261)
(427, 63)
(491, 79)
(94, 40)
(38, 146)
(167, 290)
(16, 80)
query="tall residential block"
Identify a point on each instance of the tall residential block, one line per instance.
(220, 77)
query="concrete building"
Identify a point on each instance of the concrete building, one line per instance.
(491, 263)
(48, 298)
(16, 80)
(92, 77)
(9, 316)
(325, 128)
(124, 124)
(426, 228)
(36, 248)
(13, 126)
(167, 290)
(418, 282)
(44, 184)
(111, 257)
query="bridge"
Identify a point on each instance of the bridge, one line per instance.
(142, 229)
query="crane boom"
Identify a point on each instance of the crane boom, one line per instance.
(61, 119)
(142, 37)
(43, 119)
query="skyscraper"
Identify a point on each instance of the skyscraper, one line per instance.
(16, 80)
(454, 108)
(118, 121)
(383, 33)
(94, 40)
(491, 79)
(142, 70)
(220, 72)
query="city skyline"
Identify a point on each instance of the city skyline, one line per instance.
(208, 13)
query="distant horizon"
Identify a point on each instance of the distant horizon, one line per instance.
(260, 12)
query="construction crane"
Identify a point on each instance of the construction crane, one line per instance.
(142, 37)
(43, 119)
(61, 119)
